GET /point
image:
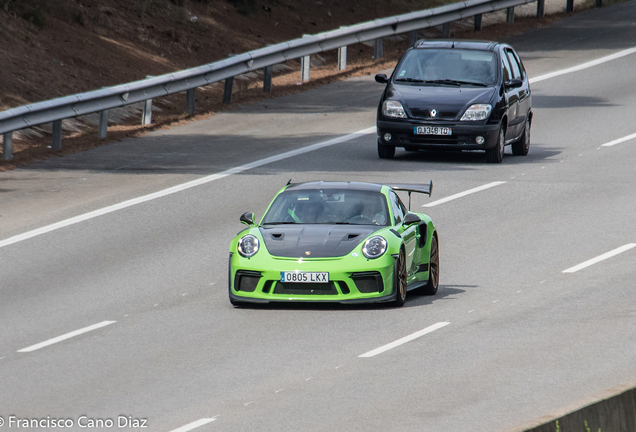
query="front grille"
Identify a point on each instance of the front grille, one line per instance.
(425, 114)
(305, 288)
(368, 282)
(246, 280)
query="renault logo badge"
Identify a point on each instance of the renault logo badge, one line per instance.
(433, 113)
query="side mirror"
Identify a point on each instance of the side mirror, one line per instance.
(381, 78)
(248, 219)
(411, 218)
(514, 83)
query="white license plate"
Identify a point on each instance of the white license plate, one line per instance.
(432, 130)
(304, 277)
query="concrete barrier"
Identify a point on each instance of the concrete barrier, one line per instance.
(613, 410)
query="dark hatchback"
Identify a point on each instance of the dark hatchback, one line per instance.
(456, 95)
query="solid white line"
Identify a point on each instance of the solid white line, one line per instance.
(184, 186)
(194, 425)
(600, 258)
(620, 140)
(584, 65)
(463, 194)
(405, 339)
(67, 336)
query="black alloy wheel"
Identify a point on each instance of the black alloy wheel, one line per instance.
(400, 280)
(496, 154)
(386, 151)
(433, 270)
(521, 147)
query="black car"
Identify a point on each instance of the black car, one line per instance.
(456, 95)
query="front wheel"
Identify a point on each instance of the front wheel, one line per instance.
(386, 151)
(399, 284)
(521, 147)
(496, 154)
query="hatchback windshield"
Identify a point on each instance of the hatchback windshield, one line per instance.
(328, 206)
(447, 66)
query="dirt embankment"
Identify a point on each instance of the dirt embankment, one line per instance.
(54, 48)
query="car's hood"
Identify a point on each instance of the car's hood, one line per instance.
(314, 240)
(449, 101)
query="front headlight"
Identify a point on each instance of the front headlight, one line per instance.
(374, 247)
(477, 112)
(248, 246)
(391, 108)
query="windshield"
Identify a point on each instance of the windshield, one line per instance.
(447, 66)
(328, 206)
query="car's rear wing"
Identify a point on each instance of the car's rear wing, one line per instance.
(411, 187)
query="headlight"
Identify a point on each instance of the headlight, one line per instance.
(392, 108)
(248, 246)
(477, 112)
(374, 247)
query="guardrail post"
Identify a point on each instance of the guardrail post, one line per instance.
(478, 22)
(569, 6)
(304, 68)
(267, 79)
(57, 135)
(412, 38)
(146, 114)
(7, 146)
(103, 124)
(378, 51)
(540, 8)
(190, 100)
(446, 30)
(227, 93)
(342, 58)
(510, 15)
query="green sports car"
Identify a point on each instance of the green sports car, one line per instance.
(335, 242)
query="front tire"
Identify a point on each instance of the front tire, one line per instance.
(386, 151)
(496, 154)
(521, 147)
(399, 284)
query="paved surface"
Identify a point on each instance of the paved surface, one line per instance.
(523, 337)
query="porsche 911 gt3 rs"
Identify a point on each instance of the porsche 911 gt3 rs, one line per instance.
(335, 242)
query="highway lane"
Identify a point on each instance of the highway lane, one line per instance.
(523, 336)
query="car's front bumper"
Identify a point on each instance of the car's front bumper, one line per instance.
(464, 135)
(351, 279)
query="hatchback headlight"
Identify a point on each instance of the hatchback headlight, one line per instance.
(477, 112)
(391, 108)
(248, 245)
(374, 247)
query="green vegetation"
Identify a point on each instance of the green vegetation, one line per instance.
(587, 429)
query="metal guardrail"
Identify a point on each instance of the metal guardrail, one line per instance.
(56, 110)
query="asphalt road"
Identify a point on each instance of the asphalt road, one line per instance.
(521, 330)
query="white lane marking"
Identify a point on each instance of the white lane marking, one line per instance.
(600, 258)
(620, 140)
(463, 194)
(67, 336)
(405, 339)
(584, 65)
(184, 186)
(194, 425)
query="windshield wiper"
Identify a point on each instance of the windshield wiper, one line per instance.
(456, 82)
(278, 223)
(410, 80)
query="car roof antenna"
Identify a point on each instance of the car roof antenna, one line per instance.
(288, 183)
